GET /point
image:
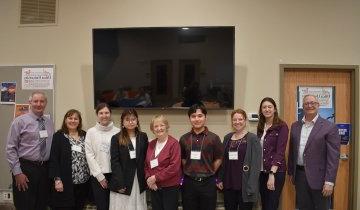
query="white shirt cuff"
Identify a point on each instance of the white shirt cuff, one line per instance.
(329, 183)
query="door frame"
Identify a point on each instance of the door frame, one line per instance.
(354, 156)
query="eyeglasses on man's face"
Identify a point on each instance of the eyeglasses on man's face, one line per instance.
(310, 103)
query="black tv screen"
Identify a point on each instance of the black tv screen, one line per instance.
(164, 67)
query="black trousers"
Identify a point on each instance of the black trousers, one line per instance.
(101, 196)
(36, 197)
(166, 198)
(199, 195)
(307, 198)
(233, 201)
(81, 193)
(270, 198)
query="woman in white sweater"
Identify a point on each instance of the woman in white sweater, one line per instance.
(97, 149)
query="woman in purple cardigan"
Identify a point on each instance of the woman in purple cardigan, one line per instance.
(273, 135)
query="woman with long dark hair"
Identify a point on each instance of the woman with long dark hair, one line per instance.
(128, 152)
(67, 166)
(273, 134)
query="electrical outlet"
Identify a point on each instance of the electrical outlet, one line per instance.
(7, 196)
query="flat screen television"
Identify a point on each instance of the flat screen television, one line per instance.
(164, 67)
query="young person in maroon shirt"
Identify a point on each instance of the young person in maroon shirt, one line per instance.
(201, 154)
(163, 166)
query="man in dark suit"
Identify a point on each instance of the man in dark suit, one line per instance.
(313, 157)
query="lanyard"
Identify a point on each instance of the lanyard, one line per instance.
(132, 145)
(237, 149)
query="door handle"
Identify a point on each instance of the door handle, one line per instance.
(344, 156)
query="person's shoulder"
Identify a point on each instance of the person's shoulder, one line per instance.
(228, 136)
(116, 135)
(281, 125)
(296, 123)
(91, 130)
(152, 143)
(252, 135)
(326, 122)
(59, 134)
(142, 135)
(212, 135)
(115, 138)
(115, 129)
(22, 117)
(172, 140)
(185, 136)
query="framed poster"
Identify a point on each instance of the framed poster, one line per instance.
(8, 92)
(326, 97)
(21, 109)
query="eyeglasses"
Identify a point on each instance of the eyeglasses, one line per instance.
(311, 103)
(130, 119)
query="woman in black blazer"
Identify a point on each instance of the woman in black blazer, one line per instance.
(67, 165)
(128, 152)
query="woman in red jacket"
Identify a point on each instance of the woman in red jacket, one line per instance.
(162, 166)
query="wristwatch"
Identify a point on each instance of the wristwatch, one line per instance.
(271, 172)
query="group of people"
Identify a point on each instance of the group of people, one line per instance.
(120, 164)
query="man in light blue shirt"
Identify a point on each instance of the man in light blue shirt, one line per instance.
(27, 151)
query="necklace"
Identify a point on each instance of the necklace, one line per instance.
(74, 136)
(240, 135)
(267, 125)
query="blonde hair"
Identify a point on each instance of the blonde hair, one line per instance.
(160, 118)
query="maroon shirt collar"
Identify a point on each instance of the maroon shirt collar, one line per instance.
(205, 132)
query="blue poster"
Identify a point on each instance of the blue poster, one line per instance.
(344, 132)
(326, 97)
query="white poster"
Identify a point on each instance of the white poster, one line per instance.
(325, 96)
(37, 78)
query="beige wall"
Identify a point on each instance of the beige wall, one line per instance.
(268, 33)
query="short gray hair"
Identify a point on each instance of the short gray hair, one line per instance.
(310, 95)
(37, 93)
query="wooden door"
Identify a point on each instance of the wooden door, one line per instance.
(189, 73)
(341, 79)
(161, 82)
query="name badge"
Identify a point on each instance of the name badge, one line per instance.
(132, 154)
(43, 134)
(195, 155)
(105, 147)
(76, 148)
(233, 155)
(154, 163)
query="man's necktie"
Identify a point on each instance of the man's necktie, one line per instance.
(41, 122)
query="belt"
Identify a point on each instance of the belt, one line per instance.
(36, 163)
(199, 179)
(299, 167)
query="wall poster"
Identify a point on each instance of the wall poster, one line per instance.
(326, 97)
